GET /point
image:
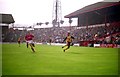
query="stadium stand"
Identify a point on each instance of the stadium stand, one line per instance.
(5, 20)
(98, 34)
(106, 13)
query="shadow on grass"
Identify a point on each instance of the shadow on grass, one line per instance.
(74, 53)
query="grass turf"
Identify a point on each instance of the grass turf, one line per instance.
(51, 60)
(0, 59)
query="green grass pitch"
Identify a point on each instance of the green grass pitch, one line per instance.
(51, 60)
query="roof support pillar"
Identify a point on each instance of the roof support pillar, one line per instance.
(70, 21)
(86, 22)
(105, 20)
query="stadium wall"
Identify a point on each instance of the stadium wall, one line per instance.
(107, 45)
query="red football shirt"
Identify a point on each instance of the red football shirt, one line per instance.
(29, 37)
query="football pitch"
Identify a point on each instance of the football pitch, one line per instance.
(51, 60)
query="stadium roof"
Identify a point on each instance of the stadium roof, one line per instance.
(6, 19)
(98, 13)
(93, 7)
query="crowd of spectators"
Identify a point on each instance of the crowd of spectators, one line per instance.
(98, 33)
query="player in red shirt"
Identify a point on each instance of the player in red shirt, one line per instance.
(29, 40)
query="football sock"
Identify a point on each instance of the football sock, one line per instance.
(27, 45)
(33, 49)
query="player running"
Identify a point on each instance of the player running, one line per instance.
(19, 41)
(50, 40)
(68, 40)
(29, 40)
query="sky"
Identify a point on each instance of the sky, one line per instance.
(34, 11)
